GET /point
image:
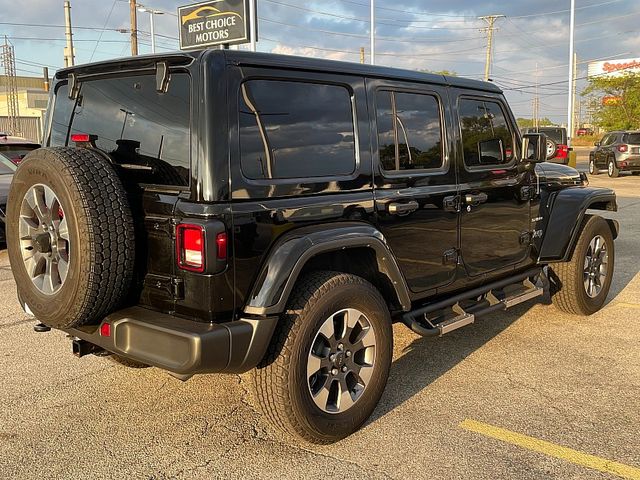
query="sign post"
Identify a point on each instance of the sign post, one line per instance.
(216, 22)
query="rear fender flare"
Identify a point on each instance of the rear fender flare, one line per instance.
(567, 210)
(287, 258)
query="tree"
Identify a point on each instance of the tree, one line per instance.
(528, 122)
(622, 110)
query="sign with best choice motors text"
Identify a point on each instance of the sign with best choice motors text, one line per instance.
(216, 22)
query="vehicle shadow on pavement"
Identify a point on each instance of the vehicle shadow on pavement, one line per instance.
(425, 360)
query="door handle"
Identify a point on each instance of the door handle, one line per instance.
(475, 199)
(396, 208)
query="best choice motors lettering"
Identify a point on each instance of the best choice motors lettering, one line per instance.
(213, 23)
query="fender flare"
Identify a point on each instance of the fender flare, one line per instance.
(568, 208)
(286, 259)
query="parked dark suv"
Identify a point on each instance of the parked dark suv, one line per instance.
(616, 152)
(226, 211)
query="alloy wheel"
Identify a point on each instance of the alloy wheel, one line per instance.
(596, 263)
(340, 363)
(44, 239)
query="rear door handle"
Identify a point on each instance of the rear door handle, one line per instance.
(474, 199)
(397, 208)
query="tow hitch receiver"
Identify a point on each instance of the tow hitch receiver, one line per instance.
(82, 348)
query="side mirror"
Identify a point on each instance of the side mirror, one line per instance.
(491, 152)
(597, 144)
(534, 146)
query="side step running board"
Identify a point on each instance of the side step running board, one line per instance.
(492, 299)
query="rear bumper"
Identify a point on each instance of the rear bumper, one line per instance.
(182, 346)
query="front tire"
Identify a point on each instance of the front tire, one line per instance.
(583, 282)
(612, 168)
(593, 170)
(329, 359)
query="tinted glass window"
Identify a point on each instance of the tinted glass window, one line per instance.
(486, 136)
(137, 125)
(632, 138)
(609, 139)
(295, 130)
(409, 131)
(555, 134)
(6, 166)
(62, 109)
(16, 152)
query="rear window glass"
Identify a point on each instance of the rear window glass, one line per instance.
(139, 126)
(555, 134)
(295, 130)
(16, 152)
(632, 138)
(6, 166)
(62, 109)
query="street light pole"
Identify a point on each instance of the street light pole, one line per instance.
(373, 32)
(151, 12)
(571, 73)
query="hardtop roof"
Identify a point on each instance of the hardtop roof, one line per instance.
(241, 57)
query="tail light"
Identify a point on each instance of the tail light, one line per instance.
(190, 245)
(562, 152)
(623, 148)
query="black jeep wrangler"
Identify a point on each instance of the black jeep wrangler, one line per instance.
(226, 211)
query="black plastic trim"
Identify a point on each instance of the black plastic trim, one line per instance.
(182, 346)
(286, 260)
(567, 211)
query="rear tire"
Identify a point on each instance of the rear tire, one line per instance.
(70, 236)
(612, 169)
(299, 382)
(583, 282)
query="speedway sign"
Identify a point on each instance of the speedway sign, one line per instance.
(614, 68)
(216, 22)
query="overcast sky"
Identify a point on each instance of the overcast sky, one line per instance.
(416, 34)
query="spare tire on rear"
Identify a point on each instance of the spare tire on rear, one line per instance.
(70, 236)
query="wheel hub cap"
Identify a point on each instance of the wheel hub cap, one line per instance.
(595, 266)
(341, 360)
(44, 239)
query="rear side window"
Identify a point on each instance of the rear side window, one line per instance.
(139, 126)
(295, 130)
(632, 138)
(487, 139)
(409, 131)
(62, 109)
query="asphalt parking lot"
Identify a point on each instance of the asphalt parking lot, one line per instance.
(532, 393)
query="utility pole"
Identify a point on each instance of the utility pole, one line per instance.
(13, 106)
(361, 54)
(45, 78)
(373, 32)
(491, 20)
(69, 55)
(572, 24)
(134, 27)
(536, 104)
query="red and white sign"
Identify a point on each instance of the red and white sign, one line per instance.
(614, 68)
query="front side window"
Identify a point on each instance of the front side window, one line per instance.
(137, 125)
(409, 131)
(487, 139)
(295, 130)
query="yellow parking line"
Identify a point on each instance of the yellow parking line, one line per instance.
(548, 448)
(626, 304)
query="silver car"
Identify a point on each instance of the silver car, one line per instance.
(616, 152)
